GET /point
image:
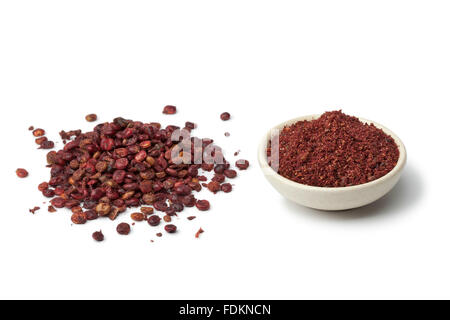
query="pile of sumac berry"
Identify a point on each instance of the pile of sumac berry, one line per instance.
(128, 164)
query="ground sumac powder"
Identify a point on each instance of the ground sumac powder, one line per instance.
(335, 150)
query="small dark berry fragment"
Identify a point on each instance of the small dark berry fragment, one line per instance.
(98, 236)
(34, 209)
(199, 232)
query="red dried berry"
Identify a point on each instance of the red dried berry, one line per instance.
(214, 186)
(47, 144)
(123, 228)
(202, 205)
(40, 140)
(38, 132)
(226, 187)
(242, 164)
(21, 173)
(154, 220)
(230, 173)
(170, 110)
(170, 228)
(98, 236)
(43, 186)
(137, 216)
(91, 117)
(79, 218)
(225, 116)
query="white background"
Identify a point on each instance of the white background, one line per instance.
(264, 62)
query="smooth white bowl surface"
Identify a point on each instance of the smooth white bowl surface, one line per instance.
(332, 199)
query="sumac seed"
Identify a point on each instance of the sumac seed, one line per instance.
(47, 144)
(220, 168)
(91, 117)
(123, 228)
(230, 173)
(48, 193)
(242, 164)
(58, 202)
(225, 116)
(91, 214)
(147, 210)
(154, 221)
(43, 186)
(202, 205)
(226, 187)
(137, 216)
(170, 228)
(213, 186)
(40, 140)
(79, 218)
(38, 132)
(21, 173)
(170, 110)
(190, 125)
(98, 236)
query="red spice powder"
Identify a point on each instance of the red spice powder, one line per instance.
(335, 150)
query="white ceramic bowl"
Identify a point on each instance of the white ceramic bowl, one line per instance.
(332, 199)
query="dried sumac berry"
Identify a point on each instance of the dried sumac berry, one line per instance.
(225, 116)
(170, 228)
(98, 236)
(242, 164)
(226, 187)
(91, 117)
(79, 218)
(38, 132)
(202, 205)
(154, 220)
(21, 173)
(123, 228)
(137, 216)
(170, 110)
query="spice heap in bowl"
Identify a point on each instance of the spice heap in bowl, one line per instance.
(333, 161)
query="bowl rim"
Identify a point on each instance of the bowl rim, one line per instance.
(263, 163)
